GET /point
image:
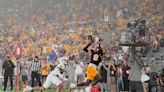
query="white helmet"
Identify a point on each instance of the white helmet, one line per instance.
(63, 63)
(63, 60)
(97, 39)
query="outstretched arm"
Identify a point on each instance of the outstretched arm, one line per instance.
(89, 44)
(86, 47)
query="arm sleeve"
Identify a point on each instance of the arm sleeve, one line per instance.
(86, 48)
(13, 64)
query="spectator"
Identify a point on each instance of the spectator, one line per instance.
(103, 67)
(155, 44)
(120, 85)
(8, 72)
(35, 71)
(160, 81)
(113, 74)
(17, 75)
(145, 77)
(52, 56)
(79, 71)
(126, 75)
(24, 73)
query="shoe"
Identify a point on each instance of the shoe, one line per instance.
(27, 88)
(87, 89)
(72, 85)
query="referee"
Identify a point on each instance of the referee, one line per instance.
(35, 69)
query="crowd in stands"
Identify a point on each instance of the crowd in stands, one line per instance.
(61, 29)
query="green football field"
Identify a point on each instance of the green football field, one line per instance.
(48, 90)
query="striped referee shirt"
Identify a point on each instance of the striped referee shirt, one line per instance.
(35, 66)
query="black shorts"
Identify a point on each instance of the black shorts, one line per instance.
(126, 83)
(24, 78)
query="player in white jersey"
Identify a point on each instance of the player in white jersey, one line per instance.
(56, 77)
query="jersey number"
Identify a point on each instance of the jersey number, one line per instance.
(95, 57)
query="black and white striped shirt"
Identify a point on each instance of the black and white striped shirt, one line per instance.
(35, 66)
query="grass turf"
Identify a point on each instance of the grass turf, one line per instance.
(48, 90)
